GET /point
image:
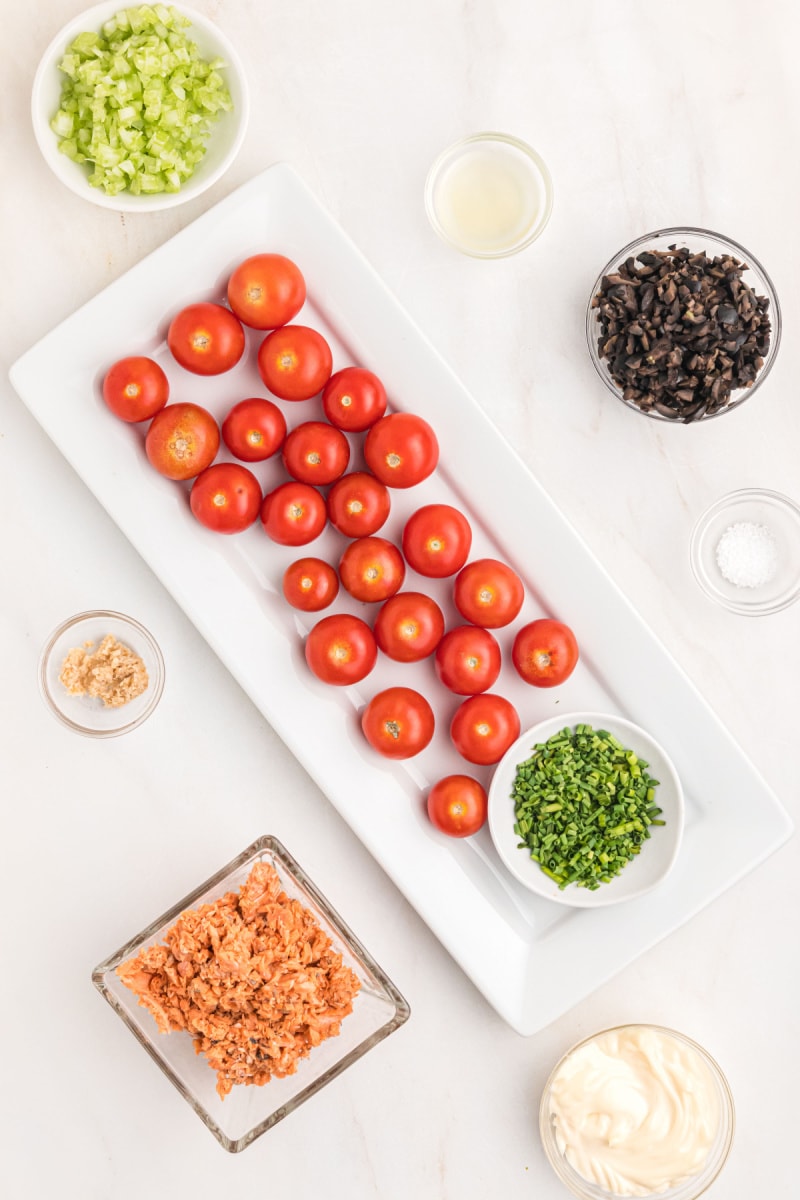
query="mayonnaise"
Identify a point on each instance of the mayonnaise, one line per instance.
(635, 1110)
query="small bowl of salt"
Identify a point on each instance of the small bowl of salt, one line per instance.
(745, 551)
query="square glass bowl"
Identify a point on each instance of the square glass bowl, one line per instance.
(247, 1112)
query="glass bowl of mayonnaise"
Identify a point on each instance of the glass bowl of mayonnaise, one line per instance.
(638, 1110)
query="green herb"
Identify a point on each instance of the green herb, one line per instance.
(138, 102)
(583, 806)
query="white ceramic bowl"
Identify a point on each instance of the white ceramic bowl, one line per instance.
(224, 140)
(658, 853)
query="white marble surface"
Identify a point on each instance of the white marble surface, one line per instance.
(647, 116)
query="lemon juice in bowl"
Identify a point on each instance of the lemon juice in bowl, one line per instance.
(489, 195)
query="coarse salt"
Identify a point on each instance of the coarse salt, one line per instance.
(747, 554)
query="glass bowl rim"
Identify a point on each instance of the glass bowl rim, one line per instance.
(508, 139)
(572, 1179)
(742, 607)
(157, 684)
(754, 264)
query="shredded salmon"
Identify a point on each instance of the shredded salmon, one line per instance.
(251, 977)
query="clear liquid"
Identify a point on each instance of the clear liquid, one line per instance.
(489, 198)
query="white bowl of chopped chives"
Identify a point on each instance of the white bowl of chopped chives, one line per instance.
(586, 809)
(141, 108)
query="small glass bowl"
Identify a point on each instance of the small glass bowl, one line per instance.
(756, 506)
(88, 714)
(696, 240)
(247, 1112)
(689, 1189)
(522, 189)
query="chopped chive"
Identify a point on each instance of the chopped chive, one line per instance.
(584, 804)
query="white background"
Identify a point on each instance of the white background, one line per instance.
(647, 115)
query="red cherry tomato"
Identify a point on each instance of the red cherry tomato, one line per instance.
(293, 514)
(310, 584)
(409, 627)
(483, 728)
(254, 429)
(358, 504)
(398, 722)
(206, 339)
(436, 540)
(135, 389)
(401, 450)
(226, 498)
(354, 399)
(468, 660)
(372, 569)
(340, 649)
(266, 291)
(488, 593)
(458, 805)
(182, 441)
(315, 452)
(295, 362)
(545, 652)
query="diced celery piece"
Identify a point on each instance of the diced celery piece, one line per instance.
(63, 124)
(87, 44)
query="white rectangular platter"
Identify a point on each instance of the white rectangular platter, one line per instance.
(531, 959)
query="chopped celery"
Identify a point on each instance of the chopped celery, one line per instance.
(138, 102)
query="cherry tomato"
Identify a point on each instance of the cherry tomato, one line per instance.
(409, 627)
(266, 291)
(293, 514)
(398, 722)
(401, 450)
(458, 805)
(206, 339)
(468, 660)
(254, 429)
(488, 593)
(295, 362)
(315, 452)
(358, 504)
(135, 389)
(545, 652)
(310, 584)
(372, 569)
(483, 728)
(182, 441)
(436, 540)
(354, 399)
(340, 649)
(226, 498)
